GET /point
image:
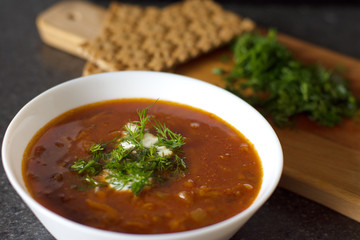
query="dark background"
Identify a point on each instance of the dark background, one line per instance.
(28, 67)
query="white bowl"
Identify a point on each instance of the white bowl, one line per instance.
(140, 84)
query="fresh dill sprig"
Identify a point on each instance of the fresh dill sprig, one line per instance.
(90, 167)
(131, 165)
(167, 137)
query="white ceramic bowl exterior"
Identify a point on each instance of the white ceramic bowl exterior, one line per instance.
(140, 84)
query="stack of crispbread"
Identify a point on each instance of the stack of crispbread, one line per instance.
(150, 38)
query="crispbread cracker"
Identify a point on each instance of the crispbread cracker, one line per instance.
(150, 38)
(91, 68)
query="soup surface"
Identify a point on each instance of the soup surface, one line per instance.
(223, 175)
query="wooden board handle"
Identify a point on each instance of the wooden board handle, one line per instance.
(67, 25)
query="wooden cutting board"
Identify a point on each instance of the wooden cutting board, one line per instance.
(322, 164)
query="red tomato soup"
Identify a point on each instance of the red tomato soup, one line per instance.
(222, 178)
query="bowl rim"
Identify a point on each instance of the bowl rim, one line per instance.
(26, 197)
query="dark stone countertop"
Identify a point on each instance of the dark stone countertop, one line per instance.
(28, 67)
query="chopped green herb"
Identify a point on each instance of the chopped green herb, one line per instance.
(167, 138)
(128, 164)
(93, 182)
(266, 75)
(96, 147)
(218, 71)
(91, 167)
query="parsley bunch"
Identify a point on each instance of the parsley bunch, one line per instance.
(129, 163)
(266, 75)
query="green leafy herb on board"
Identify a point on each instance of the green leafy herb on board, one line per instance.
(136, 159)
(266, 75)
